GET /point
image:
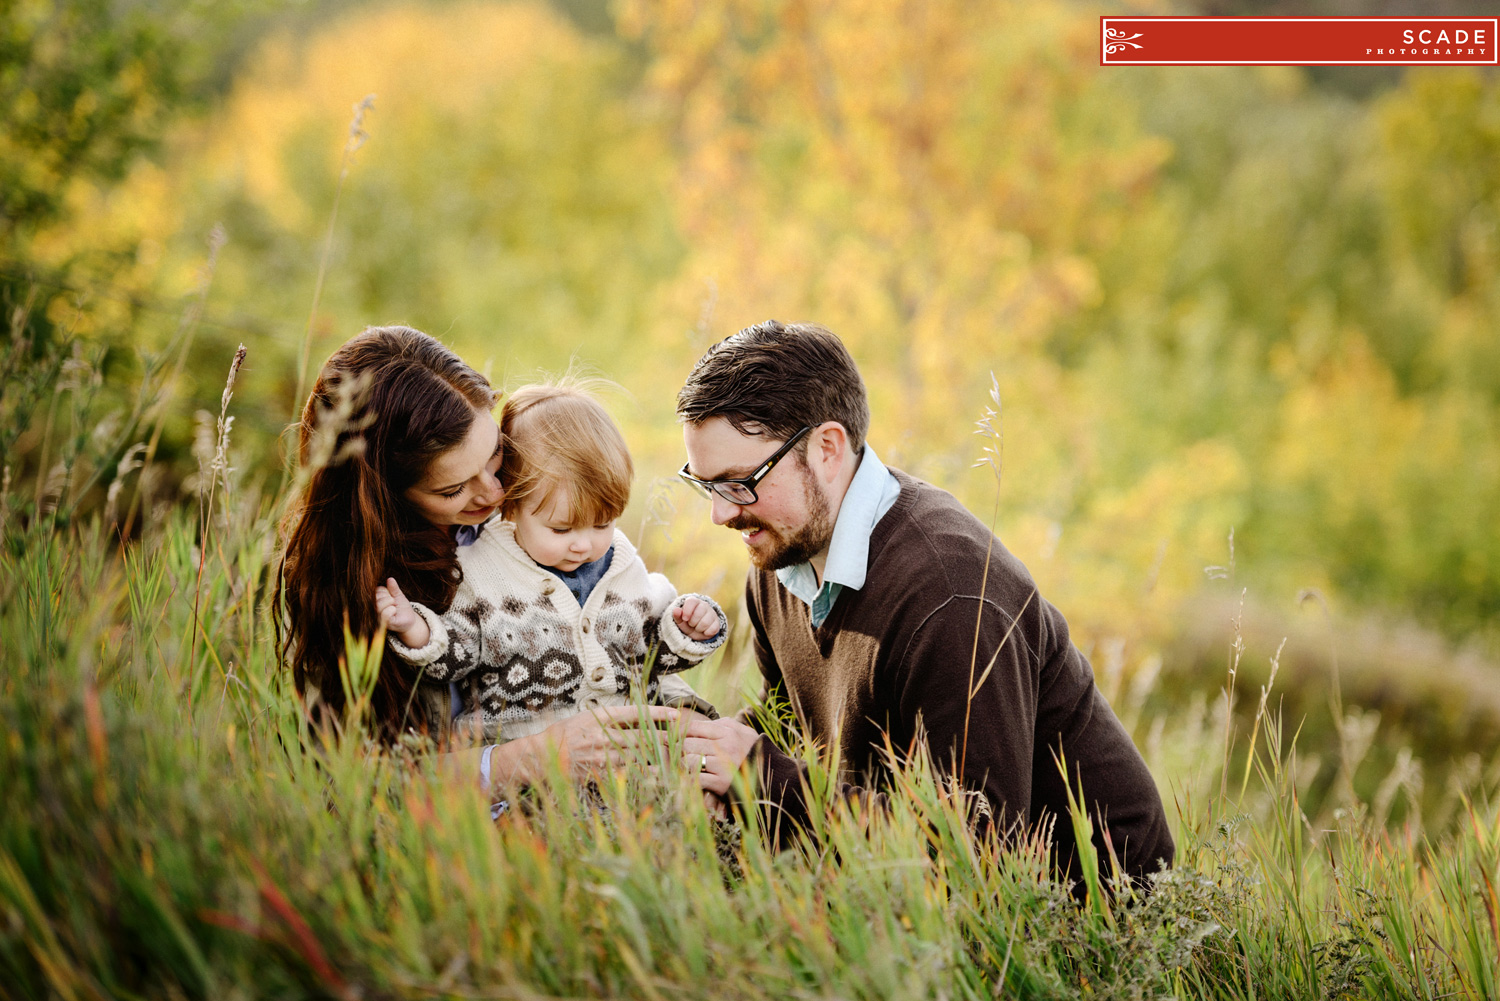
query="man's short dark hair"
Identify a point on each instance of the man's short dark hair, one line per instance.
(776, 378)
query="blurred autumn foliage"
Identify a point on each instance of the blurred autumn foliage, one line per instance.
(1213, 299)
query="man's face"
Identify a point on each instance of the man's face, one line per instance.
(790, 522)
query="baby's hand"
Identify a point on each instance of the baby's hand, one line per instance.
(401, 620)
(697, 619)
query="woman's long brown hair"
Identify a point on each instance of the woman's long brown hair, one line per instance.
(385, 405)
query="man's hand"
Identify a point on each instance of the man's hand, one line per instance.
(716, 748)
(697, 619)
(401, 620)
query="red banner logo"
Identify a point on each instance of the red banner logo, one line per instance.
(1298, 41)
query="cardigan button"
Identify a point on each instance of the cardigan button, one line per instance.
(599, 674)
(548, 587)
(585, 625)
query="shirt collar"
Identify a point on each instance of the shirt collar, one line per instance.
(868, 498)
(467, 535)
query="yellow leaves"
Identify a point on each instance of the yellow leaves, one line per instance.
(1386, 487)
(84, 107)
(1341, 431)
(1423, 113)
(1191, 499)
(1140, 549)
(26, 106)
(914, 189)
(450, 63)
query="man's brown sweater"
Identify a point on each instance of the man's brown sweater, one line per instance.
(896, 655)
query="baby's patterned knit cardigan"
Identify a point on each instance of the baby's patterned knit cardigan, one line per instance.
(529, 655)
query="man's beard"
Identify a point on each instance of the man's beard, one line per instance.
(803, 544)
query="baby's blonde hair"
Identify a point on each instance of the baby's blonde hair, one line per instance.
(557, 435)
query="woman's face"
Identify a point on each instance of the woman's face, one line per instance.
(461, 486)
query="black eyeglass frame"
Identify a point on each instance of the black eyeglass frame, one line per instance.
(748, 483)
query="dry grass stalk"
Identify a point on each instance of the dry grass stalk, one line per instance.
(992, 454)
(218, 469)
(4, 500)
(347, 416)
(132, 460)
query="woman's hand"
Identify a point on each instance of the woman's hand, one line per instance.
(592, 743)
(716, 748)
(400, 619)
(697, 619)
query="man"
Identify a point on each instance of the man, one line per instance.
(878, 601)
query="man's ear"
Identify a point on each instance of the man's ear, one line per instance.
(827, 447)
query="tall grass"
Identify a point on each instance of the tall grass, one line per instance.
(172, 829)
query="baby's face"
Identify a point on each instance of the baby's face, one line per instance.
(547, 533)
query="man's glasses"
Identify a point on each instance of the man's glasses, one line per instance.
(742, 491)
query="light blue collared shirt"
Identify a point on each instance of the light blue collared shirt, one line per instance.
(871, 494)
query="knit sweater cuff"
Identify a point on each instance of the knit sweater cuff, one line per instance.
(437, 640)
(673, 691)
(678, 642)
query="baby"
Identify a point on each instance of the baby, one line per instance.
(556, 614)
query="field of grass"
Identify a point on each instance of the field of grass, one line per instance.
(1214, 299)
(171, 828)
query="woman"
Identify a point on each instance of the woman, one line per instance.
(399, 455)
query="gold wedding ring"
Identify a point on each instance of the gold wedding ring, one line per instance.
(703, 764)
